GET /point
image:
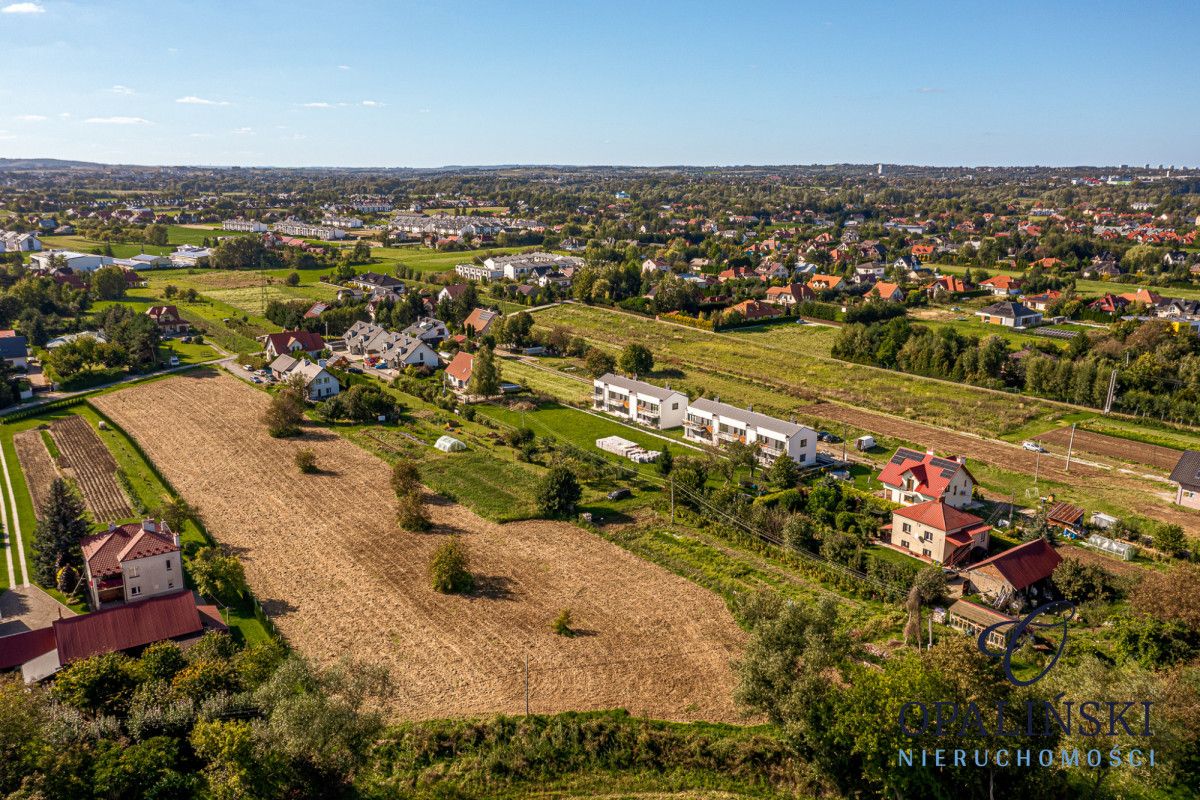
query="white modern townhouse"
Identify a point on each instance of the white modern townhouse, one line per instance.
(714, 423)
(638, 401)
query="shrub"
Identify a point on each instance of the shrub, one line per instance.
(449, 569)
(410, 512)
(562, 623)
(558, 493)
(306, 461)
(405, 478)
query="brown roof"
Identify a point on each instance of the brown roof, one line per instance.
(1023, 565)
(128, 626)
(479, 320)
(1066, 514)
(977, 613)
(753, 309)
(105, 552)
(460, 366)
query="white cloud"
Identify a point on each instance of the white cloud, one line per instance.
(118, 121)
(200, 135)
(373, 104)
(317, 105)
(31, 118)
(23, 8)
(65, 114)
(5, 136)
(119, 89)
(423, 111)
(192, 100)
(243, 130)
(930, 90)
(343, 66)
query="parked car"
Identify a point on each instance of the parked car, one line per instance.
(1033, 447)
(619, 494)
(173, 361)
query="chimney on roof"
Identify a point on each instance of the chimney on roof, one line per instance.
(111, 527)
(149, 525)
(961, 459)
(928, 452)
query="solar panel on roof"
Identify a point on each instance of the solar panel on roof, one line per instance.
(947, 473)
(943, 463)
(904, 451)
(898, 459)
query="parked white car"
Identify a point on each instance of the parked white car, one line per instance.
(1033, 447)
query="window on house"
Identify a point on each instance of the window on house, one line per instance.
(170, 584)
(907, 528)
(134, 591)
(804, 442)
(925, 552)
(168, 565)
(674, 406)
(904, 544)
(132, 573)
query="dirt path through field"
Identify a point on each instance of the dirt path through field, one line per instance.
(324, 556)
(37, 466)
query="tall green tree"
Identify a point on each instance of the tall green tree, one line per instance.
(636, 359)
(64, 523)
(485, 374)
(558, 493)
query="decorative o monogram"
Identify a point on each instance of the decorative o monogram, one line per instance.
(1021, 630)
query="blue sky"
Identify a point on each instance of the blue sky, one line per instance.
(574, 82)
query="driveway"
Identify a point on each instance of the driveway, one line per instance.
(26, 608)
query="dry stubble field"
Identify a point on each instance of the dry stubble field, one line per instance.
(323, 554)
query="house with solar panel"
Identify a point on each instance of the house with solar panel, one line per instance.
(911, 477)
(1186, 477)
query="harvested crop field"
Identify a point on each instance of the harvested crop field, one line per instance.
(1153, 455)
(37, 466)
(86, 459)
(324, 556)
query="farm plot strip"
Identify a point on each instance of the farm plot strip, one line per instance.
(324, 556)
(87, 460)
(1154, 455)
(37, 465)
(13, 517)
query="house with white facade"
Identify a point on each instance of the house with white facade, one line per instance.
(247, 225)
(479, 272)
(76, 262)
(131, 562)
(319, 383)
(638, 401)
(13, 242)
(911, 477)
(714, 423)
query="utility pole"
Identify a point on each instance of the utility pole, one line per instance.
(1012, 500)
(1112, 389)
(930, 632)
(1070, 446)
(527, 684)
(1037, 469)
(672, 501)
(845, 433)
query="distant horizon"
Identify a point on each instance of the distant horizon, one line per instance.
(547, 165)
(622, 83)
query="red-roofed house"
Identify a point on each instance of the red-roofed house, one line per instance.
(1143, 297)
(1109, 304)
(458, 371)
(1002, 285)
(1043, 301)
(913, 477)
(288, 343)
(948, 284)
(168, 319)
(1018, 569)
(938, 532)
(131, 562)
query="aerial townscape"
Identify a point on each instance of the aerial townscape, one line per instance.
(772, 480)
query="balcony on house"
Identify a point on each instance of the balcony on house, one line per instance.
(727, 433)
(697, 428)
(648, 413)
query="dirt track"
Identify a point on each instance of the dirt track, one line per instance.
(37, 466)
(324, 556)
(1153, 455)
(1009, 457)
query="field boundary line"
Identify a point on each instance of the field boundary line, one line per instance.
(7, 538)
(16, 523)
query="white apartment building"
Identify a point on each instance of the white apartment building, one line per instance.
(714, 423)
(247, 225)
(479, 272)
(638, 401)
(307, 230)
(335, 221)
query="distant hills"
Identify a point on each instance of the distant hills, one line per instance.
(17, 164)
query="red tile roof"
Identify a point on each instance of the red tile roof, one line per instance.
(309, 342)
(1023, 565)
(479, 320)
(936, 514)
(104, 552)
(128, 626)
(460, 366)
(885, 290)
(932, 473)
(1002, 282)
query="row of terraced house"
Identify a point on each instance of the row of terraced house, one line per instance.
(704, 421)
